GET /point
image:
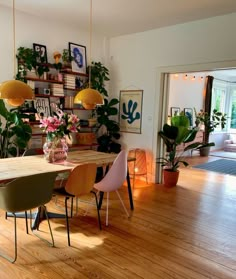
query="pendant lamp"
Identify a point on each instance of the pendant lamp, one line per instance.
(89, 97)
(15, 91)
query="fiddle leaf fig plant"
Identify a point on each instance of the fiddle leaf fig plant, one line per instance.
(14, 133)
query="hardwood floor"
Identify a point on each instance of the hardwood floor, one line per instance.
(184, 232)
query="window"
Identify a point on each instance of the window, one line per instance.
(218, 100)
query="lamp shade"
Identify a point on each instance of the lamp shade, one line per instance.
(89, 98)
(15, 89)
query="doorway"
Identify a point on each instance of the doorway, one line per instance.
(163, 77)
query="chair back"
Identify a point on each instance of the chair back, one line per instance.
(116, 175)
(81, 179)
(27, 192)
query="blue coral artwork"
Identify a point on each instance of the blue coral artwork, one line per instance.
(131, 111)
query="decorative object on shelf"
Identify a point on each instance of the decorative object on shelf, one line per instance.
(89, 97)
(66, 59)
(57, 56)
(42, 105)
(174, 111)
(131, 111)
(56, 128)
(173, 135)
(15, 91)
(42, 53)
(79, 62)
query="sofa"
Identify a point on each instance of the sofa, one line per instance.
(230, 144)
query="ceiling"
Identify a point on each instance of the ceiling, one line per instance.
(119, 17)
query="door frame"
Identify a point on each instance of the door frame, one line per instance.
(162, 99)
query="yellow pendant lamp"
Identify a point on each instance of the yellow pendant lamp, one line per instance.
(89, 98)
(15, 91)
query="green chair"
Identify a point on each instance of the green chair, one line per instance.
(26, 193)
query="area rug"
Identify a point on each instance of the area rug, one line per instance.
(223, 154)
(221, 166)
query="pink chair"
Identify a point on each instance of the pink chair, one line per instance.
(114, 179)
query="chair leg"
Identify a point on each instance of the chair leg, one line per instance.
(71, 209)
(126, 211)
(98, 212)
(10, 259)
(26, 222)
(107, 208)
(67, 221)
(36, 234)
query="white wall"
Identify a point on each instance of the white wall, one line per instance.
(31, 29)
(186, 92)
(136, 59)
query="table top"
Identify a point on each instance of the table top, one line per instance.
(11, 168)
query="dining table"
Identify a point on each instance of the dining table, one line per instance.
(15, 167)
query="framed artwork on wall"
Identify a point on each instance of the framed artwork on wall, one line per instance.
(174, 111)
(42, 105)
(42, 51)
(189, 113)
(79, 63)
(130, 116)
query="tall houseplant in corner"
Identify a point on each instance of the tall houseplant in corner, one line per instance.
(173, 135)
(108, 126)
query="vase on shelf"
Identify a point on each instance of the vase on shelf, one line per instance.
(55, 150)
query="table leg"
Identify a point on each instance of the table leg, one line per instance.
(129, 191)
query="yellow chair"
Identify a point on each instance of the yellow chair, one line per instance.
(26, 193)
(79, 183)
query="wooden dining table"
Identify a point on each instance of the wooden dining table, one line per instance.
(11, 168)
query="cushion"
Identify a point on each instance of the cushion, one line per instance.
(232, 137)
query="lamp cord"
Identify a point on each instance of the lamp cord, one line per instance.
(90, 42)
(14, 37)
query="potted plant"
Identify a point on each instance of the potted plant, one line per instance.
(208, 123)
(29, 59)
(108, 128)
(173, 135)
(14, 133)
(66, 59)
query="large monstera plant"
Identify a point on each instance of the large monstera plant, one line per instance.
(107, 113)
(14, 133)
(107, 142)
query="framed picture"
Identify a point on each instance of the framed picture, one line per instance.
(43, 52)
(130, 116)
(174, 111)
(79, 63)
(189, 113)
(42, 105)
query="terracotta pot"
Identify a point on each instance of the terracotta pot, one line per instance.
(170, 177)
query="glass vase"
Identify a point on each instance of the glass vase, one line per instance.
(55, 150)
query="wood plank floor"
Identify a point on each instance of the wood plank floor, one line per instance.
(184, 232)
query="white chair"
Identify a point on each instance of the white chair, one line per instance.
(114, 179)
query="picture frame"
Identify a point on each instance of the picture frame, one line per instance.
(43, 52)
(79, 62)
(42, 105)
(189, 113)
(174, 111)
(130, 111)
